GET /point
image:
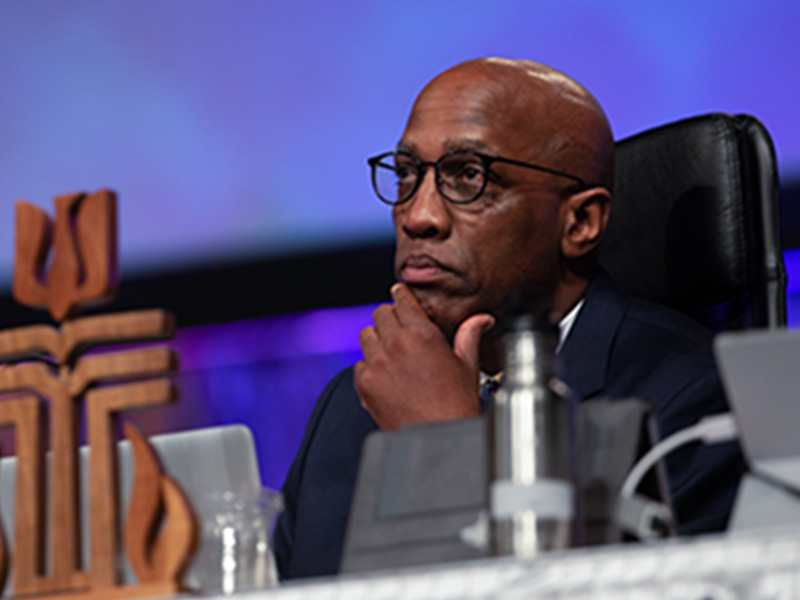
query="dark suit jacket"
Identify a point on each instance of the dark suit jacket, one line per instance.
(618, 347)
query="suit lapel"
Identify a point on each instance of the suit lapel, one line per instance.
(587, 350)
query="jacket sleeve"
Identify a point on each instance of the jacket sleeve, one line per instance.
(283, 535)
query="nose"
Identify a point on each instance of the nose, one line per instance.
(427, 214)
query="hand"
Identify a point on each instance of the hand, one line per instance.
(410, 374)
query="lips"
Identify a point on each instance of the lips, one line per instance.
(422, 269)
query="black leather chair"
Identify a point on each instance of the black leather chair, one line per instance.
(695, 221)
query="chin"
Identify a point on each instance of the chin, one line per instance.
(440, 311)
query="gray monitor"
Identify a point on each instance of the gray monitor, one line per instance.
(421, 491)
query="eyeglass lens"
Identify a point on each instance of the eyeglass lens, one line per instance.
(460, 176)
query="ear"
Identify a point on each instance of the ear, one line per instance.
(585, 221)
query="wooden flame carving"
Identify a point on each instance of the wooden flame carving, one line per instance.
(84, 265)
(157, 553)
(46, 364)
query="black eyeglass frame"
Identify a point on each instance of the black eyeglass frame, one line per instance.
(486, 159)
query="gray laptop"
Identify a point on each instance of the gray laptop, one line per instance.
(761, 375)
(203, 461)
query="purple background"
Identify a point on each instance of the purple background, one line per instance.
(240, 127)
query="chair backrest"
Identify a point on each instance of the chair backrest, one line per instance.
(695, 221)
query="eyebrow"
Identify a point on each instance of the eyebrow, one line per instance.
(450, 145)
(466, 144)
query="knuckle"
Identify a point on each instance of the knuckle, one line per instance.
(380, 362)
(427, 334)
(395, 343)
(361, 377)
(365, 335)
(365, 373)
(423, 336)
(382, 309)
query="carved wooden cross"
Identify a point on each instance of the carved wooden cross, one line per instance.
(48, 364)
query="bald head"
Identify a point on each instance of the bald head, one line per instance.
(553, 120)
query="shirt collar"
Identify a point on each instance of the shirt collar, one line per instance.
(566, 323)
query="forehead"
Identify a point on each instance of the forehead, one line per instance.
(466, 113)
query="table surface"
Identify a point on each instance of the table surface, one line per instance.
(753, 565)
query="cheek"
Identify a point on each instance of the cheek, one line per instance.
(526, 252)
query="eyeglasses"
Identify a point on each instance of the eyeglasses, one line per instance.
(461, 175)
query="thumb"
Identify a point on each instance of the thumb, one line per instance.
(467, 339)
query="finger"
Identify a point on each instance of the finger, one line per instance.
(409, 312)
(385, 319)
(359, 370)
(370, 344)
(466, 343)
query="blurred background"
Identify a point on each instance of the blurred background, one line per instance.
(236, 134)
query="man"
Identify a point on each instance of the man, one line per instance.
(500, 182)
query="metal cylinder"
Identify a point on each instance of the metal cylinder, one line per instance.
(531, 447)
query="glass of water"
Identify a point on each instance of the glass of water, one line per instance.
(235, 551)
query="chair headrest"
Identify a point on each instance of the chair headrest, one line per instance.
(685, 215)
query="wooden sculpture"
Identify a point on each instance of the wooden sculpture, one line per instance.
(50, 364)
